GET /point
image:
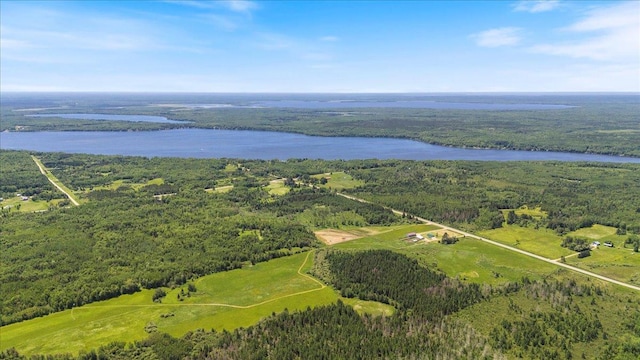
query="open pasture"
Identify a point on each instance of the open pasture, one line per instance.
(390, 238)
(27, 205)
(119, 183)
(277, 187)
(619, 263)
(225, 300)
(595, 232)
(469, 259)
(543, 242)
(339, 181)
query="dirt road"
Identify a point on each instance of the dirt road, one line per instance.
(49, 177)
(542, 258)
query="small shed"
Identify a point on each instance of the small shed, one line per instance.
(411, 235)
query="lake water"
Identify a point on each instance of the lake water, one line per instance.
(134, 118)
(206, 143)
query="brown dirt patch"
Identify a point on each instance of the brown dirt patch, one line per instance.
(333, 236)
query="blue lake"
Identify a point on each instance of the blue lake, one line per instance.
(206, 143)
(134, 118)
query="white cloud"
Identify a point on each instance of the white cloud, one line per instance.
(536, 6)
(606, 34)
(504, 36)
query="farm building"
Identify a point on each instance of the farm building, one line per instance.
(411, 235)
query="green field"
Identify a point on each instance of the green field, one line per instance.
(277, 187)
(468, 259)
(596, 232)
(225, 300)
(534, 213)
(18, 204)
(617, 263)
(339, 181)
(542, 242)
(119, 183)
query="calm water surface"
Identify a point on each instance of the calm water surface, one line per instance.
(206, 143)
(134, 118)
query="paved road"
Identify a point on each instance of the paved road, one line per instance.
(42, 170)
(542, 258)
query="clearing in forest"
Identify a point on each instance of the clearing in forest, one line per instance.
(333, 236)
(226, 300)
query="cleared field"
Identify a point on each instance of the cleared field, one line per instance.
(220, 189)
(595, 232)
(29, 205)
(393, 238)
(332, 236)
(119, 183)
(277, 187)
(617, 263)
(339, 181)
(469, 259)
(534, 213)
(542, 242)
(222, 301)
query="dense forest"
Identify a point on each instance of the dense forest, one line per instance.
(603, 124)
(471, 194)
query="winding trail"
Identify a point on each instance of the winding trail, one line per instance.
(322, 286)
(542, 258)
(53, 180)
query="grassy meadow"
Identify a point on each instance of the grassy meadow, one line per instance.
(544, 242)
(226, 300)
(469, 259)
(17, 204)
(339, 181)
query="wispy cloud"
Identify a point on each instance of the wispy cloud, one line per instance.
(607, 34)
(536, 6)
(241, 6)
(505, 36)
(329, 38)
(223, 22)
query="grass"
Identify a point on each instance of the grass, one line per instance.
(339, 181)
(595, 232)
(469, 259)
(136, 186)
(221, 189)
(534, 213)
(618, 263)
(277, 187)
(542, 242)
(52, 178)
(29, 205)
(223, 301)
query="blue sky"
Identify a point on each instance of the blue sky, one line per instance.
(320, 46)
